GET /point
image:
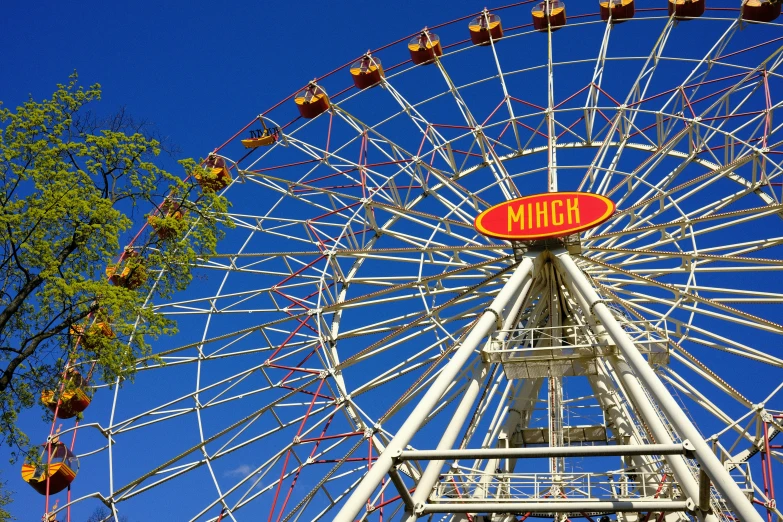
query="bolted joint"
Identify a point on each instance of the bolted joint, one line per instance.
(690, 505)
(418, 509)
(397, 456)
(690, 450)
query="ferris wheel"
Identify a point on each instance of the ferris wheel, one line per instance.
(367, 346)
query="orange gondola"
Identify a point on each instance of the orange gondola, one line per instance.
(687, 8)
(761, 10)
(425, 48)
(312, 101)
(58, 464)
(619, 10)
(218, 175)
(164, 223)
(551, 13)
(485, 28)
(129, 273)
(92, 338)
(366, 72)
(262, 137)
(74, 398)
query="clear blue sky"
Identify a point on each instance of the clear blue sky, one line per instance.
(200, 71)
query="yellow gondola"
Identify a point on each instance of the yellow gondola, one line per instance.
(311, 101)
(485, 28)
(425, 47)
(687, 8)
(129, 273)
(262, 137)
(366, 72)
(58, 464)
(74, 398)
(162, 223)
(620, 10)
(761, 10)
(548, 14)
(219, 176)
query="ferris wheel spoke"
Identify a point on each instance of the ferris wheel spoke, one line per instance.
(686, 228)
(734, 314)
(488, 154)
(644, 256)
(692, 134)
(685, 387)
(635, 95)
(594, 90)
(689, 331)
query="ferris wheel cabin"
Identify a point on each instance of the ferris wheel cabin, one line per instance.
(548, 14)
(485, 28)
(262, 137)
(91, 338)
(686, 8)
(366, 72)
(218, 177)
(761, 10)
(60, 471)
(129, 273)
(619, 10)
(164, 222)
(311, 101)
(425, 48)
(74, 398)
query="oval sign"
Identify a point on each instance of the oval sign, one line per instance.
(543, 216)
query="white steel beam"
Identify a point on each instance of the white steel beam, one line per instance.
(725, 484)
(486, 324)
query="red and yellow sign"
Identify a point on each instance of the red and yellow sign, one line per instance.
(544, 216)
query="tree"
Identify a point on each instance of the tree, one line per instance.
(5, 498)
(71, 185)
(103, 515)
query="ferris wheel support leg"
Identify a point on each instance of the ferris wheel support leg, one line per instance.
(707, 459)
(486, 324)
(633, 390)
(432, 472)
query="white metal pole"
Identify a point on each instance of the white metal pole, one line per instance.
(431, 473)
(707, 459)
(486, 324)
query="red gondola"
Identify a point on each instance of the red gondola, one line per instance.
(761, 10)
(551, 13)
(485, 28)
(312, 101)
(425, 48)
(73, 399)
(366, 72)
(219, 177)
(57, 463)
(619, 9)
(687, 8)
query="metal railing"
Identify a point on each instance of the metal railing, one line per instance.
(459, 486)
(575, 341)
